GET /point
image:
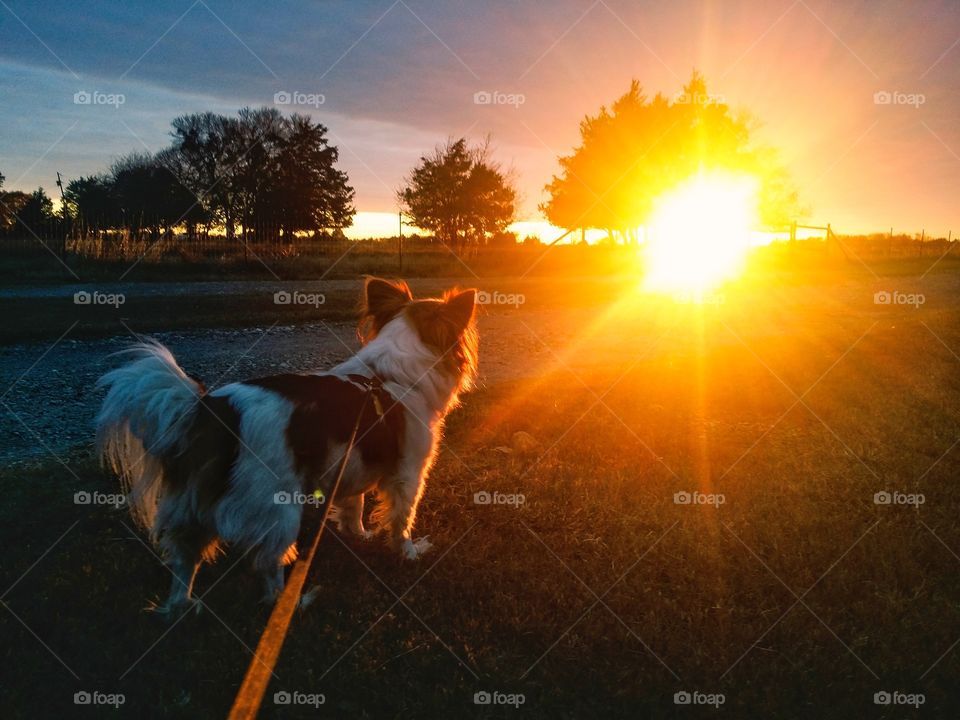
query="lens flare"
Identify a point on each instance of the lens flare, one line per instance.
(700, 233)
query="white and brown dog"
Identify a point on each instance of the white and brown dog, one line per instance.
(230, 465)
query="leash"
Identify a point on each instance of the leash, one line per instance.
(249, 697)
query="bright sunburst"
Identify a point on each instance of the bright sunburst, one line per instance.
(700, 233)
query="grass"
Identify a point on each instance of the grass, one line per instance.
(40, 318)
(34, 265)
(599, 595)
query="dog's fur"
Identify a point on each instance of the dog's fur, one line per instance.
(204, 468)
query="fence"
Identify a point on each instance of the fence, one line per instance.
(174, 254)
(879, 246)
(265, 245)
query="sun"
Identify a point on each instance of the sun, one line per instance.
(700, 233)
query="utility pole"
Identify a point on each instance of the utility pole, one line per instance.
(400, 244)
(63, 200)
(63, 209)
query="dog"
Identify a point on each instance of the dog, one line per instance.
(236, 465)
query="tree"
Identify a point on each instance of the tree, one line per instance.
(12, 205)
(6, 208)
(92, 203)
(640, 148)
(310, 193)
(261, 168)
(30, 211)
(459, 194)
(150, 195)
(204, 151)
(38, 209)
(257, 145)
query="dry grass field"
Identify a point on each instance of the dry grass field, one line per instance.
(691, 508)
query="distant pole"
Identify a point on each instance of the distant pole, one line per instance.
(63, 210)
(63, 200)
(400, 244)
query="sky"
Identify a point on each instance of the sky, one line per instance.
(861, 98)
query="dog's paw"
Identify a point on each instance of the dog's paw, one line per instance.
(173, 610)
(306, 600)
(413, 549)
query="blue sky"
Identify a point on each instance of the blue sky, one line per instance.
(399, 77)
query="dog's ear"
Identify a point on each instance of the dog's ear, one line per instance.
(461, 307)
(383, 299)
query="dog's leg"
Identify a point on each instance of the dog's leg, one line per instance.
(278, 549)
(399, 498)
(273, 583)
(185, 548)
(349, 516)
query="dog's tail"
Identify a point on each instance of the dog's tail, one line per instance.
(150, 404)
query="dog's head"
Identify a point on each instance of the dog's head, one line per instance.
(446, 326)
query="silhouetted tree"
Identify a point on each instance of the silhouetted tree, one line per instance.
(259, 141)
(261, 168)
(6, 207)
(203, 156)
(92, 202)
(38, 209)
(149, 195)
(310, 193)
(12, 206)
(640, 148)
(32, 212)
(459, 194)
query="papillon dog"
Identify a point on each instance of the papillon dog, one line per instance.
(238, 464)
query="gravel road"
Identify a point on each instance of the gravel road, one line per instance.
(50, 400)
